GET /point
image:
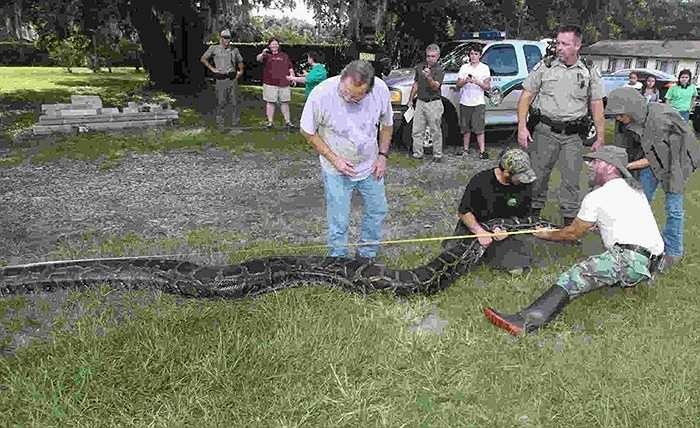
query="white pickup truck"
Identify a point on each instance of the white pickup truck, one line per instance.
(510, 62)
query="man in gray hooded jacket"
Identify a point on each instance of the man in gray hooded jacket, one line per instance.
(669, 155)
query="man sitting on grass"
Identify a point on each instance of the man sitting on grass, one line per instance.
(629, 231)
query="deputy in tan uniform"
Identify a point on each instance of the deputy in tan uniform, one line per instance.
(227, 69)
(562, 89)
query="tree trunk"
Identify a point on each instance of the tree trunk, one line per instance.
(171, 66)
(158, 59)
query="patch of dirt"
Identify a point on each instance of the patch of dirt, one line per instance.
(257, 196)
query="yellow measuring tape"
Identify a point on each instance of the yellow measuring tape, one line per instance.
(309, 247)
(408, 241)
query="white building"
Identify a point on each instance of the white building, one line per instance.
(670, 56)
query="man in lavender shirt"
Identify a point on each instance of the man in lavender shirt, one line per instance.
(340, 121)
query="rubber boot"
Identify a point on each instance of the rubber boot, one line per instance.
(535, 316)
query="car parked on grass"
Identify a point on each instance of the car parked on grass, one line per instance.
(510, 62)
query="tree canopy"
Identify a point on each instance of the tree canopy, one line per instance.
(173, 32)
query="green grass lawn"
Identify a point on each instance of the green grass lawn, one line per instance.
(29, 87)
(43, 85)
(313, 356)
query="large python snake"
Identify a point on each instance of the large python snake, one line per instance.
(255, 277)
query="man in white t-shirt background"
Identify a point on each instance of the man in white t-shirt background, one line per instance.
(473, 79)
(631, 236)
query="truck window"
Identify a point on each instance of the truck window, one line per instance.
(501, 60)
(533, 55)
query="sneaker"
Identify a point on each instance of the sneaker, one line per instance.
(290, 125)
(418, 157)
(269, 125)
(483, 155)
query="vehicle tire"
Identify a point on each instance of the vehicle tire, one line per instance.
(449, 125)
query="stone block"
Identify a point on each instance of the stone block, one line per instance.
(93, 101)
(108, 110)
(83, 112)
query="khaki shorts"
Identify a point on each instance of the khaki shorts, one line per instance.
(472, 118)
(276, 94)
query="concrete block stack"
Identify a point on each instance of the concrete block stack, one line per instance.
(85, 113)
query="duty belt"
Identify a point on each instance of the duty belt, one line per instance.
(429, 99)
(223, 76)
(560, 127)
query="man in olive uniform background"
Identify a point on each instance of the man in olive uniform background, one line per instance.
(227, 69)
(426, 92)
(562, 89)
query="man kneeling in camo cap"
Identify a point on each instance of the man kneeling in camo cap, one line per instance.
(629, 232)
(501, 192)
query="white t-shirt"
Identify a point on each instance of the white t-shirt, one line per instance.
(471, 94)
(349, 129)
(623, 216)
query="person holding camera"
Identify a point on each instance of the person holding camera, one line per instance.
(277, 66)
(473, 79)
(227, 69)
(426, 93)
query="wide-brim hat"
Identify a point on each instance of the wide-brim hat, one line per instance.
(614, 155)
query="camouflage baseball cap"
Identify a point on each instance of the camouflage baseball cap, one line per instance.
(517, 163)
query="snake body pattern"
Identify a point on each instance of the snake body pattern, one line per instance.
(255, 277)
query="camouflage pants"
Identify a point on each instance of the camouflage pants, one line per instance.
(615, 266)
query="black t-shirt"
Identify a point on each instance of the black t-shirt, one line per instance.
(486, 198)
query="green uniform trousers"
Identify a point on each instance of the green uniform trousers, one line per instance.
(227, 93)
(547, 148)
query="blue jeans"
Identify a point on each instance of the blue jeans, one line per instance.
(685, 115)
(338, 197)
(673, 230)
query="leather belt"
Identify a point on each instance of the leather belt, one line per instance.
(637, 249)
(429, 100)
(655, 262)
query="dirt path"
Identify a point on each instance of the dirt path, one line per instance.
(258, 196)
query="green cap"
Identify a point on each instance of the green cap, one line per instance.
(517, 163)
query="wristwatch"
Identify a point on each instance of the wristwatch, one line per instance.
(386, 155)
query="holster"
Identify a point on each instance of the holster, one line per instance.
(585, 124)
(533, 118)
